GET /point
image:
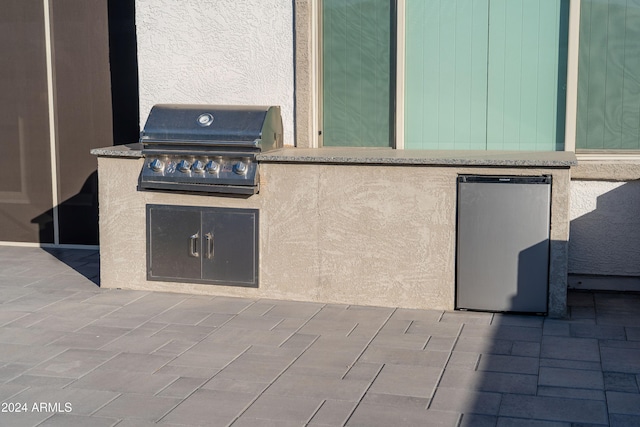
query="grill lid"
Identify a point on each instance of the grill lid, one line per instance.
(213, 125)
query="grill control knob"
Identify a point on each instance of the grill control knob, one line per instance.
(212, 167)
(198, 167)
(156, 165)
(240, 168)
(183, 166)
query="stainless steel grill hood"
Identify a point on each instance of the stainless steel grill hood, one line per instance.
(207, 148)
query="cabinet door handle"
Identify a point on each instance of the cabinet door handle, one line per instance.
(209, 242)
(193, 246)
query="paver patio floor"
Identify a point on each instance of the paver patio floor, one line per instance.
(73, 354)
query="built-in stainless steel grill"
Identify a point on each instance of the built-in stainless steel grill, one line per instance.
(207, 148)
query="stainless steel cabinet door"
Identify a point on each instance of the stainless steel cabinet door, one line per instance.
(173, 239)
(230, 246)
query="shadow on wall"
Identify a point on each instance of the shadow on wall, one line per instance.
(77, 216)
(605, 235)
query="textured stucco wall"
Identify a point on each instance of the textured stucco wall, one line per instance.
(216, 52)
(605, 228)
(350, 234)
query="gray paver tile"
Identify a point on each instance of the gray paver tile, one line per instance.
(136, 344)
(116, 297)
(633, 334)
(620, 359)
(363, 371)
(252, 367)
(434, 329)
(500, 319)
(466, 401)
(440, 344)
(611, 332)
(619, 420)
(27, 419)
(401, 340)
(500, 382)
(623, 403)
(218, 359)
(483, 345)
(146, 407)
(42, 381)
(72, 363)
(502, 332)
(581, 349)
(333, 413)
(570, 364)
(526, 349)
(414, 314)
(503, 363)
(396, 356)
(236, 386)
(28, 336)
(261, 422)
(463, 360)
(467, 317)
(520, 422)
(572, 393)
(174, 348)
(477, 420)
(253, 322)
(559, 328)
(222, 305)
(10, 371)
(123, 381)
(9, 390)
(188, 371)
(396, 400)
(184, 332)
(318, 387)
(70, 420)
(210, 408)
(296, 310)
(402, 380)
(615, 381)
(367, 415)
(559, 377)
(225, 336)
(182, 387)
(134, 362)
(81, 340)
(283, 408)
(554, 409)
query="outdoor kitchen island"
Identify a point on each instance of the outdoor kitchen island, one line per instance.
(336, 225)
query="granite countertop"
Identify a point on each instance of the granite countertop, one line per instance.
(387, 156)
(127, 150)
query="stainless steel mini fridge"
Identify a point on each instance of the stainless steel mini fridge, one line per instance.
(502, 261)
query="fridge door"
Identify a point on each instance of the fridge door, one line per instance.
(503, 243)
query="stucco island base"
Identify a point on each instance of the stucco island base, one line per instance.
(338, 231)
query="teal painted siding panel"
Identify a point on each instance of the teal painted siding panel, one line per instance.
(356, 73)
(485, 74)
(609, 76)
(445, 74)
(526, 79)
